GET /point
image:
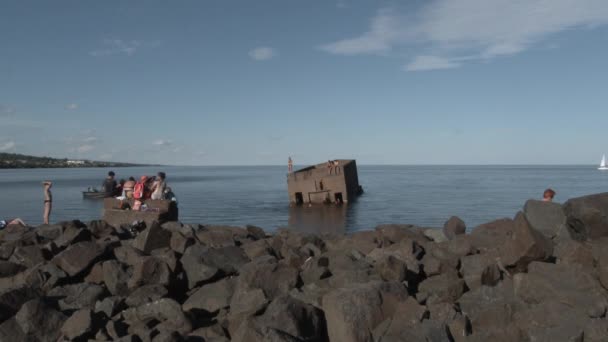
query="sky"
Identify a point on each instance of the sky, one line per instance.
(226, 82)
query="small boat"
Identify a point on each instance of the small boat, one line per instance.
(603, 166)
(96, 194)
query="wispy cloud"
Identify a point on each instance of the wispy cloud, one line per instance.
(71, 106)
(421, 63)
(6, 110)
(162, 142)
(122, 47)
(263, 53)
(7, 146)
(90, 139)
(85, 148)
(450, 32)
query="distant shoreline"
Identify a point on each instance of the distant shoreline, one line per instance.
(20, 161)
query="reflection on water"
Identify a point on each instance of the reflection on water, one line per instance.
(319, 219)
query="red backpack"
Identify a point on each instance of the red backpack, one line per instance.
(138, 191)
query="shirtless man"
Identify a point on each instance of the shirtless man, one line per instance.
(48, 201)
(548, 195)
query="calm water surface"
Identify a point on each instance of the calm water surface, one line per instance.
(422, 195)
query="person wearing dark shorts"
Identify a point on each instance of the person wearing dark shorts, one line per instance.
(48, 201)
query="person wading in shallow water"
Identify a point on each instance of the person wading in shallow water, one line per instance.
(48, 201)
(548, 195)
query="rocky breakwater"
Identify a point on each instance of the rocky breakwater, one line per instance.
(541, 276)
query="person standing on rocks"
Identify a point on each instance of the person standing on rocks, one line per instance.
(548, 195)
(290, 165)
(48, 201)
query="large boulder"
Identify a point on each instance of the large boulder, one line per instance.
(479, 269)
(524, 245)
(39, 322)
(80, 325)
(146, 294)
(446, 287)
(547, 218)
(488, 236)
(211, 297)
(78, 257)
(166, 313)
(202, 263)
(116, 277)
(11, 300)
(454, 226)
(76, 296)
(152, 238)
(587, 216)
(28, 256)
(353, 312)
(149, 271)
(256, 275)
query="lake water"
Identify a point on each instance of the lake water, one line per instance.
(421, 195)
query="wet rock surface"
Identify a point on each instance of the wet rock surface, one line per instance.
(540, 276)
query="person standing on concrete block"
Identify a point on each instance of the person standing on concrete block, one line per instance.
(48, 201)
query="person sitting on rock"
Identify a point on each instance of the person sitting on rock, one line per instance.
(548, 195)
(128, 188)
(9, 222)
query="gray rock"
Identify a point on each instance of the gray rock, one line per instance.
(79, 325)
(109, 305)
(435, 235)
(146, 294)
(101, 229)
(547, 218)
(128, 255)
(525, 245)
(315, 269)
(488, 236)
(256, 274)
(352, 313)
(166, 311)
(72, 234)
(596, 330)
(76, 296)
(150, 271)
(257, 248)
(575, 254)
(152, 238)
(446, 287)
(454, 226)
(247, 302)
(179, 243)
(587, 216)
(11, 300)
(78, 257)
(220, 236)
(49, 231)
(116, 277)
(392, 269)
(202, 263)
(9, 269)
(28, 256)
(256, 233)
(39, 322)
(211, 297)
(480, 269)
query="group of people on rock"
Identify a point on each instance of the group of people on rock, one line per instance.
(154, 187)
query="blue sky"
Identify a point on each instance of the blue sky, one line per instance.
(252, 82)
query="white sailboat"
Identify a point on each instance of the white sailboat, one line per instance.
(603, 166)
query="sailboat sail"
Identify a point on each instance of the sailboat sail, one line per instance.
(603, 163)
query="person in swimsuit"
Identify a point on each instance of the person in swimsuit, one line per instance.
(48, 201)
(159, 186)
(128, 188)
(9, 222)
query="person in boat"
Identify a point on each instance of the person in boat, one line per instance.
(10, 222)
(128, 187)
(158, 187)
(548, 195)
(109, 184)
(48, 201)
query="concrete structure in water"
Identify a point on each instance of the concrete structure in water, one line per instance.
(324, 184)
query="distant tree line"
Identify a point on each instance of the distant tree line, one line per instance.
(20, 161)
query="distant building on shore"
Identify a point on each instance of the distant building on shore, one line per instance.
(76, 162)
(336, 181)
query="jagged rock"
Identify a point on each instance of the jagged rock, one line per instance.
(78, 257)
(446, 287)
(9, 269)
(352, 313)
(168, 336)
(11, 331)
(146, 294)
(49, 231)
(569, 285)
(575, 254)
(431, 266)
(150, 271)
(454, 226)
(11, 300)
(179, 243)
(212, 333)
(392, 269)
(39, 322)
(152, 238)
(28, 256)
(480, 269)
(600, 255)
(96, 274)
(76, 296)
(596, 330)
(315, 269)
(257, 248)
(100, 228)
(220, 236)
(428, 330)
(547, 218)
(6, 250)
(443, 312)
(116, 277)
(117, 330)
(72, 234)
(256, 233)
(435, 235)
(128, 255)
(552, 321)
(168, 256)
(525, 245)
(211, 297)
(166, 311)
(587, 216)
(362, 241)
(202, 263)
(109, 305)
(79, 325)
(460, 246)
(395, 233)
(255, 274)
(489, 235)
(247, 302)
